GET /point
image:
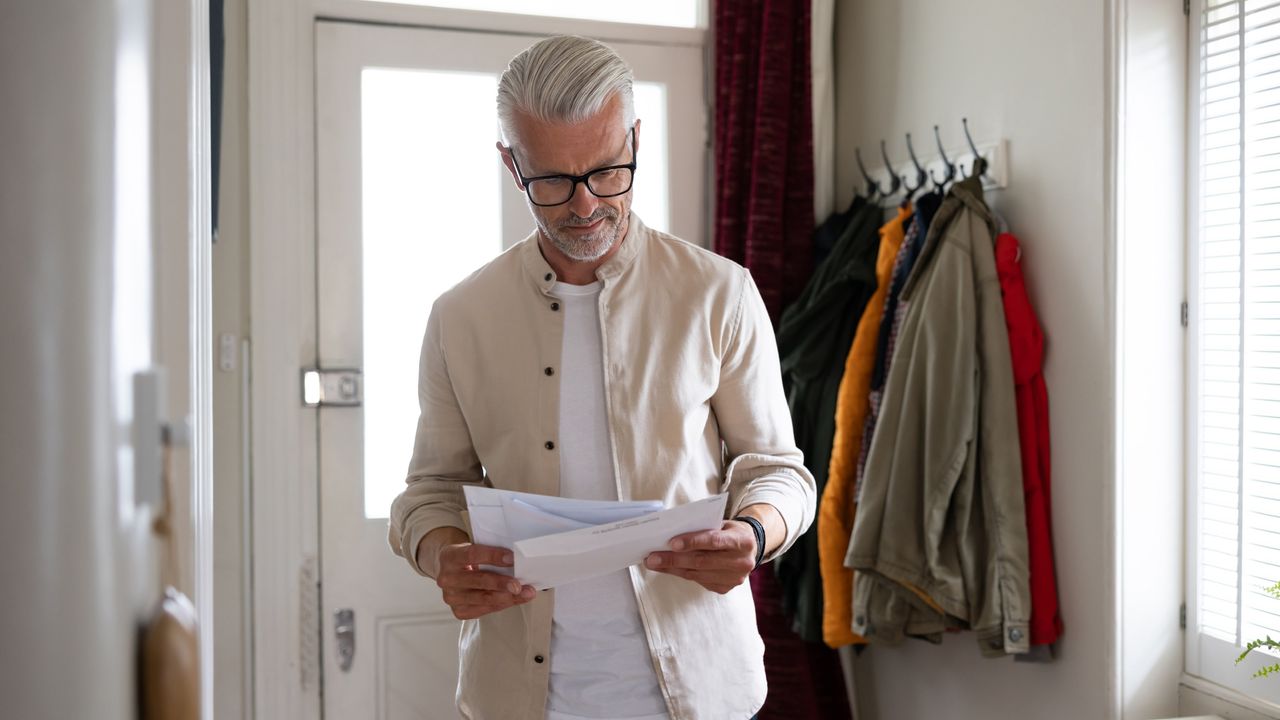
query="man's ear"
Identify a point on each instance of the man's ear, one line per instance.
(505, 153)
(635, 138)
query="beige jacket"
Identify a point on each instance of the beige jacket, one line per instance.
(696, 407)
(942, 510)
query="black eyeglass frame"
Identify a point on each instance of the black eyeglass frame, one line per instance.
(578, 178)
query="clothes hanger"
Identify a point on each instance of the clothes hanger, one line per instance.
(940, 185)
(921, 176)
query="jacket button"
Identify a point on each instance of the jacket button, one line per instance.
(555, 307)
(549, 372)
(550, 445)
(1015, 634)
(548, 277)
(538, 659)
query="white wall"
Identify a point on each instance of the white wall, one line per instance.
(1031, 72)
(68, 595)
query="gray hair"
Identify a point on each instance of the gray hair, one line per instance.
(566, 79)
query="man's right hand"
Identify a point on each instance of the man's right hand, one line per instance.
(469, 591)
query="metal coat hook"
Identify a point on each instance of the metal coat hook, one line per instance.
(979, 162)
(894, 183)
(951, 168)
(873, 186)
(921, 176)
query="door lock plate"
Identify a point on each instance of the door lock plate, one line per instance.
(340, 388)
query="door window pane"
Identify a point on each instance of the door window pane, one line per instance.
(431, 216)
(650, 188)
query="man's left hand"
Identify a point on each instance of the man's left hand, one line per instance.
(718, 560)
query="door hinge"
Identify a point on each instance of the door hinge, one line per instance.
(1182, 616)
(1186, 314)
(343, 388)
(1186, 7)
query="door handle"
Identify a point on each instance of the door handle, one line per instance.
(344, 631)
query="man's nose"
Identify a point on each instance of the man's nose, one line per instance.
(583, 203)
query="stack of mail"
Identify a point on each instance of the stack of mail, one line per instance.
(560, 540)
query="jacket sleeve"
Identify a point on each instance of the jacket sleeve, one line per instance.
(443, 455)
(765, 466)
(1004, 616)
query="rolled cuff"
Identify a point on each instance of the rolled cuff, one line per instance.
(404, 540)
(787, 486)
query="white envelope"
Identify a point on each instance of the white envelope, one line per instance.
(560, 540)
(551, 560)
(499, 518)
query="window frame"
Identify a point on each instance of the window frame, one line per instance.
(1209, 662)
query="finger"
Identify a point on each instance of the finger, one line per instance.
(697, 560)
(726, 538)
(479, 580)
(455, 597)
(456, 558)
(470, 608)
(489, 555)
(669, 561)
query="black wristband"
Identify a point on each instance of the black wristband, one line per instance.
(758, 529)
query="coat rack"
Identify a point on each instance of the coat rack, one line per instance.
(896, 182)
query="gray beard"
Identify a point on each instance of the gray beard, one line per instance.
(585, 248)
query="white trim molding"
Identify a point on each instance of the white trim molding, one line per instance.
(183, 232)
(1146, 277)
(282, 312)
(200, 273)
(393, 13)
(1113, 108)
(1200, 695)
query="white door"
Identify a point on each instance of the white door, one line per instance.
(411, 198)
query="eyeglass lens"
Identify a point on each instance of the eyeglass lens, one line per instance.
(602, 183)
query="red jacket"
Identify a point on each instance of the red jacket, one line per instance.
(1026, 348)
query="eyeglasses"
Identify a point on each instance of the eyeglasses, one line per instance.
(605, 182)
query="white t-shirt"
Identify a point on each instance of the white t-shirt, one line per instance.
(600, 663)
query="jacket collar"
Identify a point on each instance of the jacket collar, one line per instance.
(965, 194)
(969, 193)
(544, 278)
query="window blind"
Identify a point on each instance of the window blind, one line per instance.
(1237, 330)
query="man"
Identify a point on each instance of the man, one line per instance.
(600, 359)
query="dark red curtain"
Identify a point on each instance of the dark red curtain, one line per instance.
(764, 220)
(764, 143)
(806, 681)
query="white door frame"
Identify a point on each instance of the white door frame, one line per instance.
(182, 232)
(281, 73)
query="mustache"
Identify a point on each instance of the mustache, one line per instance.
(601, 212)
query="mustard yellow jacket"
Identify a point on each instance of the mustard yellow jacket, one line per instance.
(837, 508)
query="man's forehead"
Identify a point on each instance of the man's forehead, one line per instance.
(572, 154)
(578, 147)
